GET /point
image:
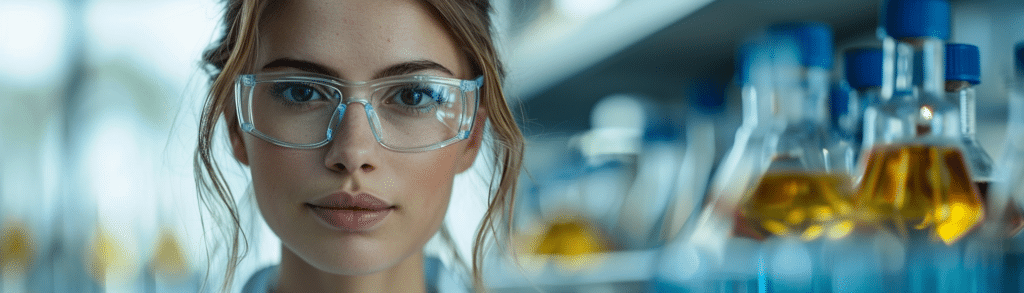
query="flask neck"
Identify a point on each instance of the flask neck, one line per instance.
(963, 93)
(804, 98)
(913, 65)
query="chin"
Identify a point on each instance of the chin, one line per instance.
(352, 259)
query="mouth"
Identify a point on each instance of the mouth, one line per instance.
(350, 213)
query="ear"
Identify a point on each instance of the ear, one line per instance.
(238, 143)
(474, 141)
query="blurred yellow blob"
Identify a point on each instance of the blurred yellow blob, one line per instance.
(169, 260)
(572, 243)
(16, 249)
(107, 257)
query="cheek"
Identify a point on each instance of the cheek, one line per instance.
(427, 190)
(278, 178)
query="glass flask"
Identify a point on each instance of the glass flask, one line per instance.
(915, 177)
(801, 201)
(963, 73)
(704, 256)
(712, 230)
(799, 195)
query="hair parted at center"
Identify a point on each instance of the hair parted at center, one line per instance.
(467, 21)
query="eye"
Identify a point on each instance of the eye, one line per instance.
(418, 96)
(297, 92)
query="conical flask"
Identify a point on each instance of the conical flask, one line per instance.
(712, 230)
(915, 179)
(799, 195)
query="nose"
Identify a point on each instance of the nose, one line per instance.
(353, 146)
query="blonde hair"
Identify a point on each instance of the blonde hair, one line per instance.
(469, 24)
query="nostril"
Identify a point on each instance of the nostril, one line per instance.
(367, 167)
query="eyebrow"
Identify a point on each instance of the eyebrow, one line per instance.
(393, 70)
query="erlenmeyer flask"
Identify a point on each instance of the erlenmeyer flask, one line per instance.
(963, 72)
(799, 195)
(712, 231)
(915, 175)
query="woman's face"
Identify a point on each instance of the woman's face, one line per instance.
(317, 200)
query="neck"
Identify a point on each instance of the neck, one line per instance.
(296, 275)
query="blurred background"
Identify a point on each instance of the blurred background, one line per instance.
(100, 99)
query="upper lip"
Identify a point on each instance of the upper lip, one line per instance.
(345, 200)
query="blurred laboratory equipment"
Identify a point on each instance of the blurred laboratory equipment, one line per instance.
(645, 204)
(713, 227)
(707, 100)
(915, 175)
(1008, 179)
(863, 72)
(844, 115)
(586, 206)
(799, 195)
(963, 73)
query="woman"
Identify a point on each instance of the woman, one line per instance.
(353, 118)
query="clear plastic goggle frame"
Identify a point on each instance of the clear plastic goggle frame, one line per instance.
(408, 113)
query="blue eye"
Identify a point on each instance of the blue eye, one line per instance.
(296, 92)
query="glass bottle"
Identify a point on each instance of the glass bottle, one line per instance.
(915, 175)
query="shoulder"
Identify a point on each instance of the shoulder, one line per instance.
(262, 281)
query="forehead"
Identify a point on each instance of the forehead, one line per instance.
(355, 38)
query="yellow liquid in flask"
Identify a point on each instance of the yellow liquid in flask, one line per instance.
(922, 187)
(807, 205)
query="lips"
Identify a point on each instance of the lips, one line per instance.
(353, 213)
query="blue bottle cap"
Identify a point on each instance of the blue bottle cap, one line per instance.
(839, 100)
(963, 63)
(863, 67)
(1018, 54)
(815, 41)
(708, 96)
(917, 18)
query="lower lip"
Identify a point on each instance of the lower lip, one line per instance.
(350, 220)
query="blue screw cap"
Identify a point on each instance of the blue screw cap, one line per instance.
(1018, 54)
(815, 41)
(917, 18)
(839, 100)
(963, 62)
(708, 96)
(863, 67)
